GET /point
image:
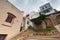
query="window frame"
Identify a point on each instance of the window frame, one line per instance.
(10, 17)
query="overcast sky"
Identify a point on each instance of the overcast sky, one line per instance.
(30, 5)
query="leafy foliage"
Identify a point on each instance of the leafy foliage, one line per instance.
(39, 19)
(40, 29)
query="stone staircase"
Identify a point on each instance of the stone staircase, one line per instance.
(36, 37)
(31, 35)
(53, 35)
(24, 34)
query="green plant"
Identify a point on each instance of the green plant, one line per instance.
(39, 19)
(49, 28)
(40, 29)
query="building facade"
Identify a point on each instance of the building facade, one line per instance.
(30, 16)
(47, 9)
(53, 20)
(11, 20)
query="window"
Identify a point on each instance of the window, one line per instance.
(27, 22)
(10, 17)
(21, 27)
(3, 36)
(47, 10)
(44, 11)
(43, 8)
(46, 6)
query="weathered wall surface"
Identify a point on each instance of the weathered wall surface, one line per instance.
(12, 28)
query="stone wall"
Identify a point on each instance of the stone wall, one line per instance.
(11, 29)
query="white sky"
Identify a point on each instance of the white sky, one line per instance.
(30, 5)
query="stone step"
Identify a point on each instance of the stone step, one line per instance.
(43, 38)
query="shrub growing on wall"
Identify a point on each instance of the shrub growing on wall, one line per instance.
(40, 29)
(39, 19)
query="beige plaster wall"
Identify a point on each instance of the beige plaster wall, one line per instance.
(11, 29)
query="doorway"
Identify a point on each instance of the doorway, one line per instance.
(3, 36)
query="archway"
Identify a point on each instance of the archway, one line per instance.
(48, 22)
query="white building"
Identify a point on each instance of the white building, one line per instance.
(33, 14)
(30, 16)
(46, 9)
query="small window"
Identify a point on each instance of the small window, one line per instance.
(27, 22)
(45, 6)
(47, 10)
(10, 17)
(44, 11)
(21, 28)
